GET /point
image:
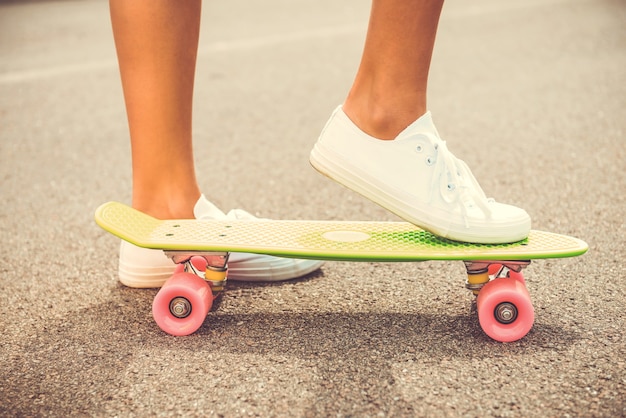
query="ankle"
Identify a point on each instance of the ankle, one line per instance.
(383, 119)
(165, 205)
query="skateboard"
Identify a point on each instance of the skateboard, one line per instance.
(200, 250)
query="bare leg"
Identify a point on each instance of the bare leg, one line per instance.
(389, 91)
(156, 43)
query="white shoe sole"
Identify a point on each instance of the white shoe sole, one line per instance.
(146, 268)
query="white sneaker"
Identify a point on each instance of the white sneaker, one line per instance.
(250, 267)
(416, 177)
(144, 268)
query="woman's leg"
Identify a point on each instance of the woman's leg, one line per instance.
(156, 42)
(413, 174)
(389, 90)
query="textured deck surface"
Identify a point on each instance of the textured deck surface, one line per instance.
(332, 240)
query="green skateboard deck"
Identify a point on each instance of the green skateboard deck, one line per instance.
(323, 240)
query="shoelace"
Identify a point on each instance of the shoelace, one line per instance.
(455, 176)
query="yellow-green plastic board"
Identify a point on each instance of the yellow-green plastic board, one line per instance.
(324, 240)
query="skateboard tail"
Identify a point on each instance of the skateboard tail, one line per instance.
(132, 225)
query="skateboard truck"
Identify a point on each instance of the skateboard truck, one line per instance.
(480, 273)
(215, 271)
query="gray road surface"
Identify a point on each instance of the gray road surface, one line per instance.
(531, 93)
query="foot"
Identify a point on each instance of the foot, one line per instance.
(144, 268)
(416, 177)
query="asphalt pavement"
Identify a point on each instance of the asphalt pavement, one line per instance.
(530, 93)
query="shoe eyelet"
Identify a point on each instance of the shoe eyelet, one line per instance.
(430, 160)
(451, 187)
(419, 148)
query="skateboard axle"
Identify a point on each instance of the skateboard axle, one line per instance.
(505, 313)
(478, 272)
(180, 307)
(213, 268)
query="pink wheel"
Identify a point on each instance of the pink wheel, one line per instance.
(199, 263)
(518, 276)
(182, 304)
(495, 268)
(505, 311)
